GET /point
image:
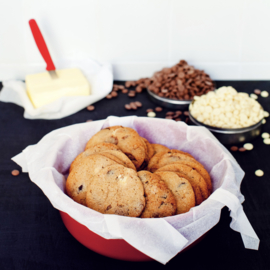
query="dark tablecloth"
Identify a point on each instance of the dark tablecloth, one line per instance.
(33, 236)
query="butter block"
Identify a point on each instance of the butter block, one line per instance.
(42, 89)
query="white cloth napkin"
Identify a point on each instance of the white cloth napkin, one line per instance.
(48, 161)
(99, 76)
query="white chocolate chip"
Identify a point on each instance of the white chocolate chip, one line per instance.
(266, 141)
(259, 173)
(263, 121)
(265, 135)
(264, 94)
(151, 114)
(225, 108)
(266, 114)
(248, 146)
(254, 96)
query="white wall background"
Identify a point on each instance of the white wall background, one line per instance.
(228, 39)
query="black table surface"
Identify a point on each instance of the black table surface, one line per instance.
(33, 236)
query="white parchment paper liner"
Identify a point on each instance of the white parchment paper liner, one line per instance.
(100, 77)
(48, 161)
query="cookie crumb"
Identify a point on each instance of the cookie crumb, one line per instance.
(259, 173)
(15, 172)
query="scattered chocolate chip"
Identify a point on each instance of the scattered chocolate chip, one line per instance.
(187, 119)
(169, 117)
(132, 93)
(90, 108)
(234, 148)
(133, 106)
(138, 104)
(127, 84)
(169, 113)
(15, 172)
(109, 96)
(178, 112)
(257, 91)
(158, 109)
(127, 107)
(138, 89)
(124, 91)
(186, 113)
(114, 94)
(177, 119)
(149, 110)
(89, 120)
(242, 149)
(122, 87)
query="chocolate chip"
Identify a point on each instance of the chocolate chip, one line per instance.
(132, 94)
(138, 104)
(169, 113)
(138, 89)
(158, 109)
(15, 172)
(242, 149)
(187, 119)
(186, 113)
(109, 96)
(149, 110)
(133, 106)
(80, 187)
(127, 107)
(177, 119)
(114, 94)
(234, 148)
(89, 120)
(169, 117)
(257, 91)
(124, 91)
(90, 108)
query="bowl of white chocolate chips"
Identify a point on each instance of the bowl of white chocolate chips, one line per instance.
(233, 117)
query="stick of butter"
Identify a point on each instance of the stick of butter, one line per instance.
(42, 89)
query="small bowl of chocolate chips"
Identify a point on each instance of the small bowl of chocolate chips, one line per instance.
(175, 87)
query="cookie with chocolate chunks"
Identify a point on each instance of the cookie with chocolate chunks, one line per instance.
(116, 190)
(82, 174)
(181, 189)
(160, 201)
(127, 139)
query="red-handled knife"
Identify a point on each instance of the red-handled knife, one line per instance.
(43, 48)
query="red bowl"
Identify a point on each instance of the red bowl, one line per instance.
(113, 248)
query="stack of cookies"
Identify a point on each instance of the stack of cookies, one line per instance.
(121, 173)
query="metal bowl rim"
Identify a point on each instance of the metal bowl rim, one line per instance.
(169, 100)
(225, 130)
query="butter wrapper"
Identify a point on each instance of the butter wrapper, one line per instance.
(99, 76)
(48, 163)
